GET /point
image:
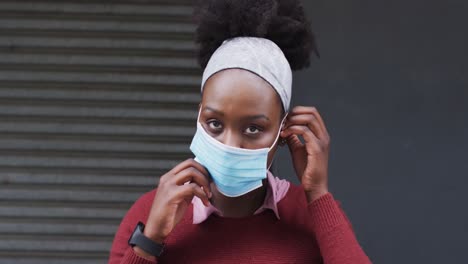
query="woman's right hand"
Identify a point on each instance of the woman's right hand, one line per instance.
(173, 198)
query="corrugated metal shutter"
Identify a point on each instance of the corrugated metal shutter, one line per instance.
(97, 99)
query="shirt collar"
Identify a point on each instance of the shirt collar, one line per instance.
(276, 190)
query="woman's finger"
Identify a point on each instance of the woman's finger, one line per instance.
(188, 163)
(307, 120)
(311, 110)
(294, 142)
(192, 189)
(312, 143)
(192, 174)
(320, 119)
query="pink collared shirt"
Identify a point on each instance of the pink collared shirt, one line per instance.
(276, 191)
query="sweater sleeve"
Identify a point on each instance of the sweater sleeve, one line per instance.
(334, 234)
(121, 252)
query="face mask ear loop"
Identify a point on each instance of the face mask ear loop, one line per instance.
(276, 140)
(199, 113)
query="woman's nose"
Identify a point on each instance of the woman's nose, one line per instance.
(231, 139)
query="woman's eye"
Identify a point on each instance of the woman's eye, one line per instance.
(251, 130)
(215, 125)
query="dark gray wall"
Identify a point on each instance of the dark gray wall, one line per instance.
(392, 86)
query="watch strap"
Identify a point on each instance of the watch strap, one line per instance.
(143, 242)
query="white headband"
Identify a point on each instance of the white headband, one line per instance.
(258, 55)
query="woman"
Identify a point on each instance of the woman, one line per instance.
(224, 206)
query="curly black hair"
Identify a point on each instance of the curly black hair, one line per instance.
(281, 21)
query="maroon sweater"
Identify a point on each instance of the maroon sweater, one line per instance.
(318, 232)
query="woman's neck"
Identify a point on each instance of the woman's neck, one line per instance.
(242, 206)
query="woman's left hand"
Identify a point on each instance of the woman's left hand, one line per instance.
(310, 158)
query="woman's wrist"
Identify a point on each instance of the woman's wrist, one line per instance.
(315, 194)
(150, 233)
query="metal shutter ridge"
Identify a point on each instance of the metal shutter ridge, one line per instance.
(97, 100)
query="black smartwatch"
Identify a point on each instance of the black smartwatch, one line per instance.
(148, 245)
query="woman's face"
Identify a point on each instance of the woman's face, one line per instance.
(240, 109)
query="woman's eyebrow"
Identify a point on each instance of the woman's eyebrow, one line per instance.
(213, 110)
(250, 117)
(257, 117)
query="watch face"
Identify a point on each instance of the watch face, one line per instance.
(137, 231)
(140, 226)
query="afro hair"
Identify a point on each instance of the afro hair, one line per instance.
(281, 21)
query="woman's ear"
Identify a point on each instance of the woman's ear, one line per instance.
(281, 140)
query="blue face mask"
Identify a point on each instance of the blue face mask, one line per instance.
(235, 171)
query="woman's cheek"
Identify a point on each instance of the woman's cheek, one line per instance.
(271, 155)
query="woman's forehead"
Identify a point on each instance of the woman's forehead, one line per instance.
(240, 90)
